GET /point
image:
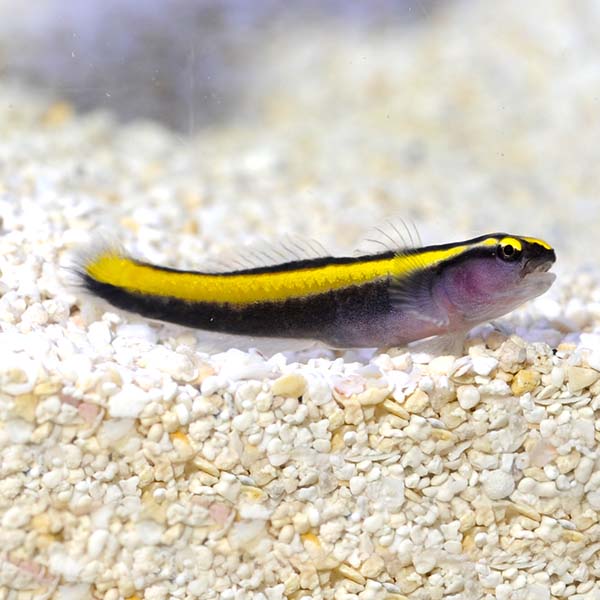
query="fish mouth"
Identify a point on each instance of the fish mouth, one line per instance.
(536, 266)
(538, 260)
(535, 276)
(536, 281)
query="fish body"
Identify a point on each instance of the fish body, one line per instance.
(376, 300)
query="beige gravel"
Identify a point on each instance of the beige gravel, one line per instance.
(134, 465)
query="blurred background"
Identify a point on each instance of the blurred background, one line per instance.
(187, 64)
(222, 120)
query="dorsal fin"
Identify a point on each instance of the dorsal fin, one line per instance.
(290, 248)
(395, 235)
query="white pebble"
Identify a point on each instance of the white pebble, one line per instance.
(557, 375)
(594, 359)
(441, 365)
(450, 488)
(545, 489)
(254, 511)
(498, 484)
(242, 422)
(129, 402)
(453, 547)
(36, 315)
(527, 485)
(99, 334)
(178, 366)
(18, 373)
(412, 480)
(322, 446)
(318, 390)
(580, 378)
(96, 542)
(539, 591)
(115, 429)
(424, 562)
(15, 517)
(358, 485)
(593, 497)
(547, 427)
(183, 414)
(73, 591)
(418, 429)
(275, 453)
(212, 384)
(51, 479)
(244, 532)
(198, 587)
(392, 492)
(140, 331)
(484, 365)
(583, 471)
(468, 396)
(314, 516)
(373, 523)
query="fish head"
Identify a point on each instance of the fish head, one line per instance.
(496, 276)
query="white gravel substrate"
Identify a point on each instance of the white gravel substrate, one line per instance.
(134, 465)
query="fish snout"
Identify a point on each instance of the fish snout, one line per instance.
(538, 260)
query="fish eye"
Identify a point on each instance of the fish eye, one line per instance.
(509, 251)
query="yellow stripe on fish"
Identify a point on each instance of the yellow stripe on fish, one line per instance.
(261, 285)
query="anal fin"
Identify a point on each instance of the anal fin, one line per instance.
(441, 345)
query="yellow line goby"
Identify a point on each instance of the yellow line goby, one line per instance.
(388, 298)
